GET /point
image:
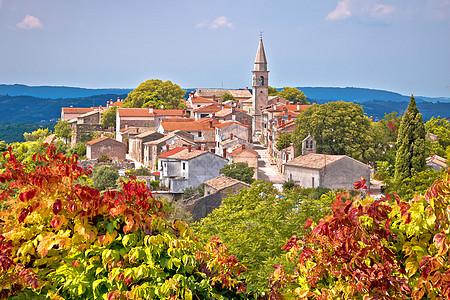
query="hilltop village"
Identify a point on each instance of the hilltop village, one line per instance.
(184, 148)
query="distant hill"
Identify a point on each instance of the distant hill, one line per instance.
(361, 95)
(44, 110)
(55, 92)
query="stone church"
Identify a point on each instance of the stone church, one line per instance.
(260, 84)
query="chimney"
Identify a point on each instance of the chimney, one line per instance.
(189, 148)
(231, 136)
(246, 87)
(150, 109)
(214, 97)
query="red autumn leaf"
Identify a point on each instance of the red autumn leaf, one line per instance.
(308, 223)
(57, 206)
(75, 264)
(56, 222)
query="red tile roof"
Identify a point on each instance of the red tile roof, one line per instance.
(171, 152)
(101, 139)
(77, 110)
(211, 108)
(144, 112)
(243, 148)
(197, 99)
(199, 125)
(229, 123)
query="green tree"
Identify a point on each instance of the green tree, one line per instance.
(104, 177)
(36, 135)
(410, 157)
(109, 117)
(63, 130)
(284, 140)
(293, 94)
(240, 171)
(79, 149)
(384, 134)
(273, 91)
(228, 97)
(256, 222)
(157, 93)
(338, 128)
(440, 127)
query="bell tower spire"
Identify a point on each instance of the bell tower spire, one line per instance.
(260, 86)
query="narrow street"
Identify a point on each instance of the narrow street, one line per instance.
(267, 171)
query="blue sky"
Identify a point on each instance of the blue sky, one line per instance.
(401, 46)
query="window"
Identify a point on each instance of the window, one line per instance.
(184, 166)
(290, 177)
(199, 134)
(261, 80)
(313, 182)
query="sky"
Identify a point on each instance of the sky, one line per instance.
(401, 46)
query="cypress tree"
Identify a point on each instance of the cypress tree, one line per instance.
(410, 157)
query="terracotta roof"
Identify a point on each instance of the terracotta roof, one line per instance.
(288, 113)
(144, 112)
(223, 182)
(175, 119)
(137, 130)
(171, 152)
(243, 148)
(230, 123)
(155, 173)
(314, 160)
(186, 155)
(180, 134)
(289, 107)
(101, 139)
(227, 111)
(286, 125)
(438, 160)
(77, 110)
(211, 108)
(199, 125)
(197, 99)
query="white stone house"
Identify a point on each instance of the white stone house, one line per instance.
(322, 170)
(182, 168)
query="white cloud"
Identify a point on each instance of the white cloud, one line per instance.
(217, 23)
(29, 23)
(341, 12)
(368, 10)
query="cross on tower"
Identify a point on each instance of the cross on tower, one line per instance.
(260, 34)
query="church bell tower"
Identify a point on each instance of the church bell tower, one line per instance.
(260, 86)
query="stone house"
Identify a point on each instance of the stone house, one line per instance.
(202, 130)
(322, 170)
(437, 162)
(106, 146)
(215, 190)
(84, 124)
(194, 102)
(246, 155)
(172, 140)
(235, 114)
(230, 130)
(182, 168)
(144, 117)
(69, 113)
(208, 110)
(136, 144)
